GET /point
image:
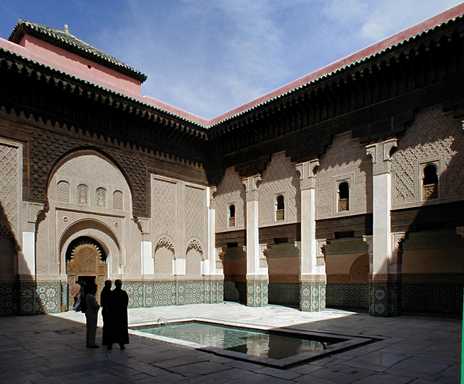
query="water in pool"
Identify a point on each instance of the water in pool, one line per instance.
(251, 342)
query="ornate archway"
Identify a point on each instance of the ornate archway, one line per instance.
(86, 262)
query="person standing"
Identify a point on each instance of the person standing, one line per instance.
(75, 292)
(91, 315)
(119, 302)
(105, 303)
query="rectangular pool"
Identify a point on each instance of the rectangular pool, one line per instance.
(276, 347)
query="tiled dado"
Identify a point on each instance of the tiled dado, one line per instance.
(33, 298)
(173, 292)
(257, 291)
(284, 294)
(353, 295)
(384, 298)
(312, 296)
(8, 298)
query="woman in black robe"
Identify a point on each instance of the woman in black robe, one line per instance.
(118, 309)
(105, 303)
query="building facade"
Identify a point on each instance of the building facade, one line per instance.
(342, 189)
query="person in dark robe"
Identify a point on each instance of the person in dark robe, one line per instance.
(118, 310)
(91, 316)
(105, 303)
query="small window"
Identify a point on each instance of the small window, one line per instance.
(430, 182)
(100, 194)
(343, 196)
(117, 200)
(280, 208)
(231, 215)
(82, 194)
(63, 191)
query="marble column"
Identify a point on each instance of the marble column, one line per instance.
(384, 284)
(257, 275)
(312, 276)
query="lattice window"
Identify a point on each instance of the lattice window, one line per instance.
(62, 191)
(117, 200)
(100, 194)
(430, 182)
(280, 208)
(82, 194)
(343, 196)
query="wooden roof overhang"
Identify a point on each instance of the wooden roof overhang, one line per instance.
(163, 127)
(374, 98)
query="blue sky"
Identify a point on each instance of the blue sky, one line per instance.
(208, 56)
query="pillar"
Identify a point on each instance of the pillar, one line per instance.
(384, 289)
(312, 274)
(257, 276)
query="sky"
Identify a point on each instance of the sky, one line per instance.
(209, 56)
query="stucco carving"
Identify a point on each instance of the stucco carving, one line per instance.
(164, 207)
(434, 137)
(164, 242)
(62, 191)
(195, 212)
(345, 160)
(230, 191)
(82, 194)
(195, 245)
(10, 184)
(100, 197)
(279, 178)
(118, 200)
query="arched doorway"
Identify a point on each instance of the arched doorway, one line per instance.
(86, 263)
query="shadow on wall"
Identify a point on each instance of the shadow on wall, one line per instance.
(19, 292)
(429, 248)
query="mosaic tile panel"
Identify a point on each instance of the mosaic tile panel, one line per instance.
(312, 296)
(39, 297)
(284, 294)
(384, 299)
(8, 299)
(257, 292)
(347, 296)
(158, 293)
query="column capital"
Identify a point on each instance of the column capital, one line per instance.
(251, 187)
(211, 195)
(307, 171)
(380, 154)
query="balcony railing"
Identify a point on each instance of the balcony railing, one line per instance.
(280, 214)
(430, 191)
(343, 205)
(231, 221)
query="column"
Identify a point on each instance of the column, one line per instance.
(215, 276)
(384, 285)
(312, 275)
(257, 276)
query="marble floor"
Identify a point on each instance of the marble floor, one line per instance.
(51, 349)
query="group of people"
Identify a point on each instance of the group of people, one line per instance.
(114, 310)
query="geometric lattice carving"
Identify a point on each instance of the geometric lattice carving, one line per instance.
(164, 207)
(117, 200)
(230, 191)
(9, 174)
(165, 242)
(194, 245)
(195, 213)
(62, 191)
(280, 178)
(433, 138)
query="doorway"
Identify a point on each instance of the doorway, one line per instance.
(86, 263)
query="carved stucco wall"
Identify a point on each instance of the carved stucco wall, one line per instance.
(70, 215)
(433, 137)
(230, 191)
(279, 178)
(10, 201)
(345, 160)
(179, 213)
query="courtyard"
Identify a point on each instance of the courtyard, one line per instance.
(51, 349)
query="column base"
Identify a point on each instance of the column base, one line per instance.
(257, 291)
(312, 296)
(384, 299)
